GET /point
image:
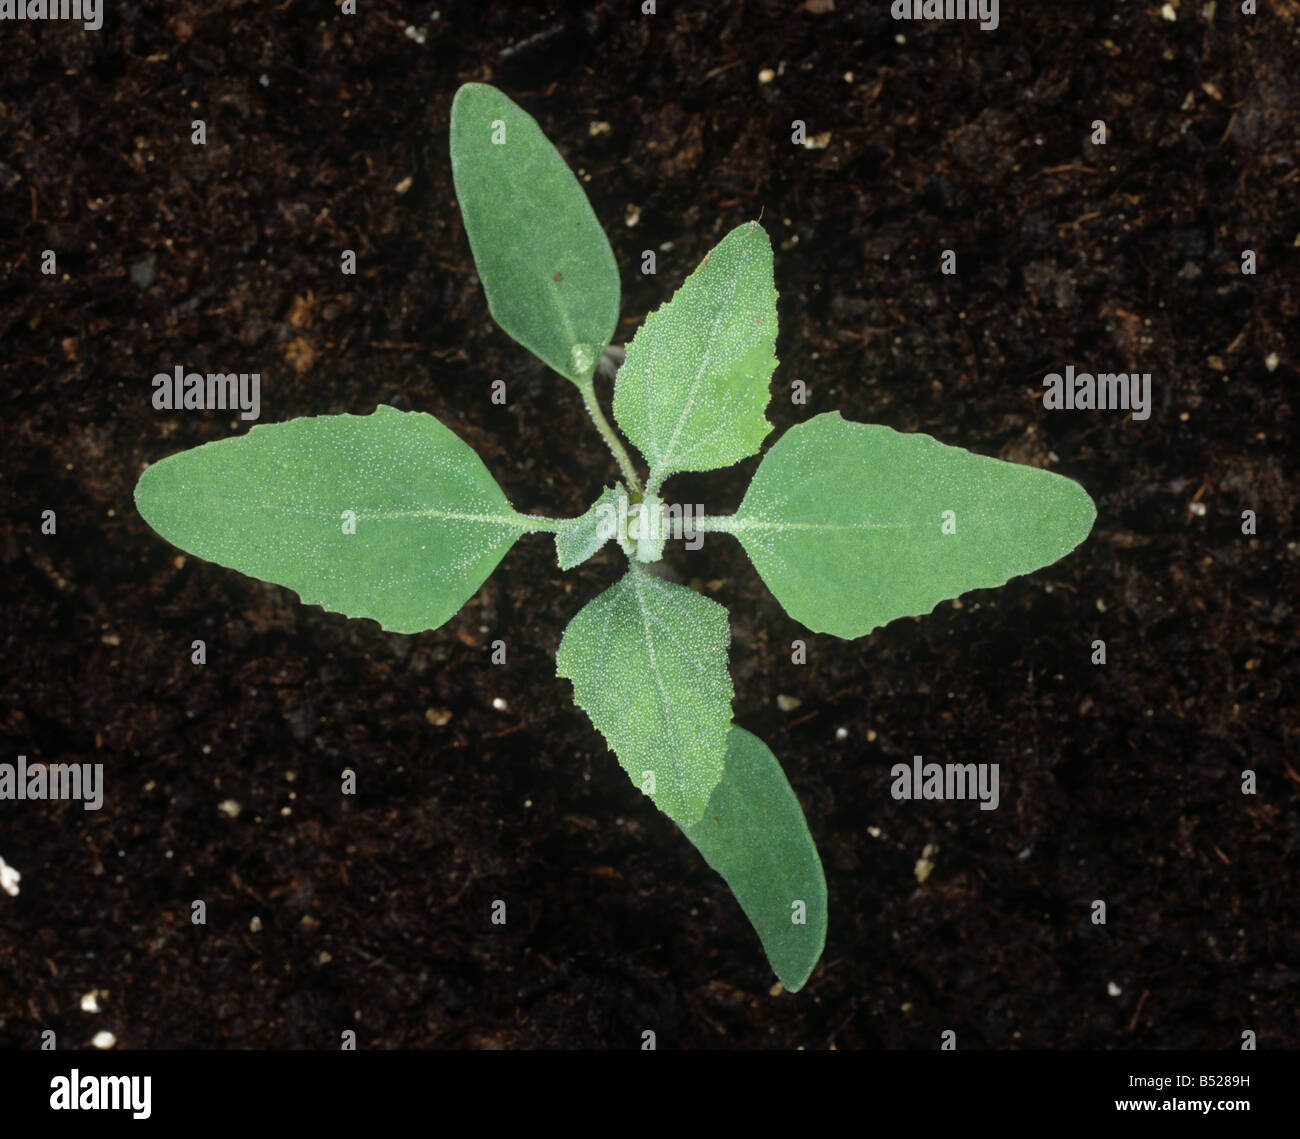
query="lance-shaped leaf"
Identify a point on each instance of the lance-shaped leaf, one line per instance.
(648, 661)
(578, 538)
(692, 392)
(754, 835)
(545, 263)
(389, 516)
(852, 524)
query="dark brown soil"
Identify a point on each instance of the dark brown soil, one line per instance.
(1120, 782)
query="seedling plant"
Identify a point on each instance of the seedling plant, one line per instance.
(392, 516)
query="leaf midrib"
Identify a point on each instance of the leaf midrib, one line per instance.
(739, 524)
(552, 292)
(677, 768)
(511, 521)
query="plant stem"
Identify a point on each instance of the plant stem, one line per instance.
(714, 524)
(537, 523)
(612, 441)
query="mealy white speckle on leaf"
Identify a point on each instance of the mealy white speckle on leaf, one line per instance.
(648, 661)
(692, 393)
(576, 539)
(390, 516)
(852, 525)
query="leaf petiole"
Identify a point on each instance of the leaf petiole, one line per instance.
(612, 441)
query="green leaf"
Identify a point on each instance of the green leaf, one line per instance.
(693, 389)
(648, 661)
(754, 835)
(545, 263)
(429, 522)
(577, 539)
(847, 523)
